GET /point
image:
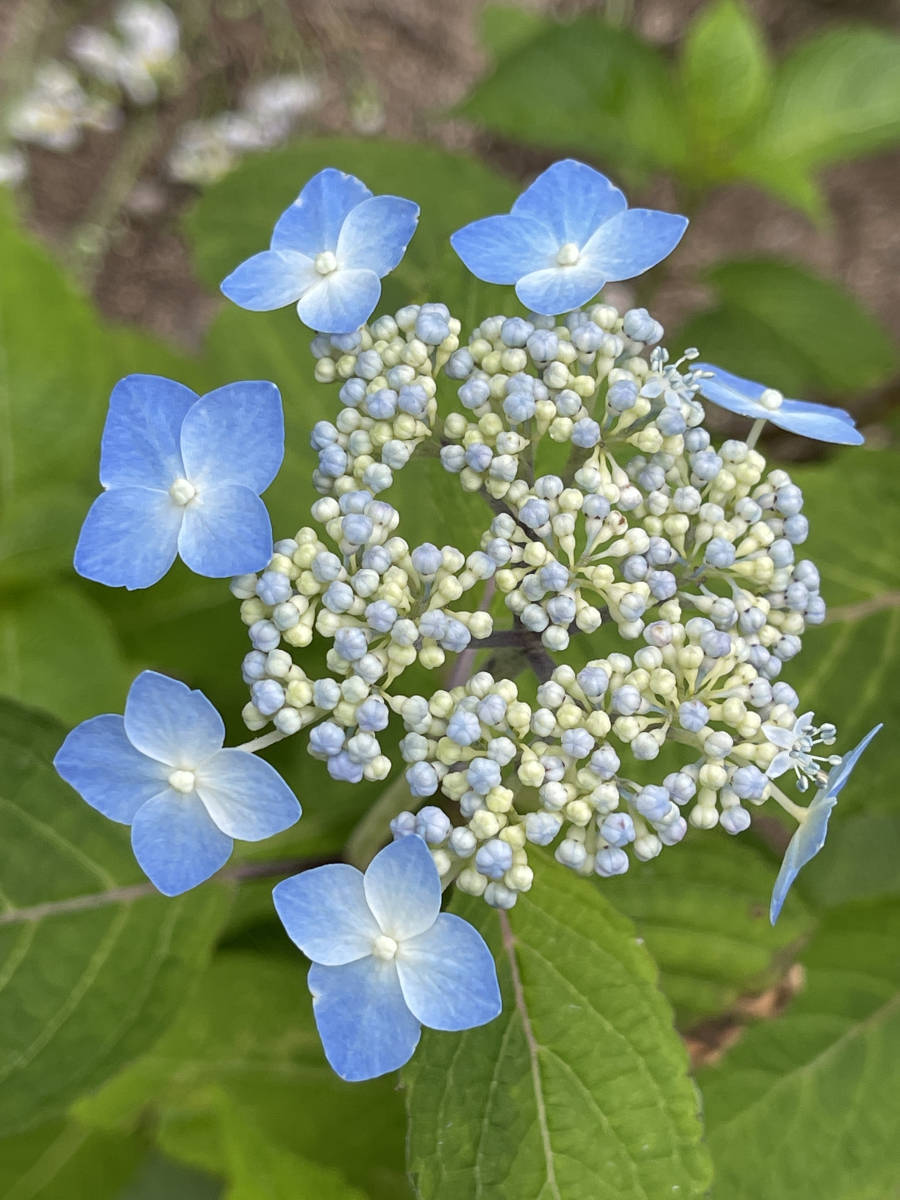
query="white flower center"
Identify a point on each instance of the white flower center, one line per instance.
(182, 781)
(771, 399)
(568, 255)
(384, 947)
(182, 491)
(325, 262)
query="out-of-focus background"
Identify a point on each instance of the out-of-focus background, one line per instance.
(144, 151)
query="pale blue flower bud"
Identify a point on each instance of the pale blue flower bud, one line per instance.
(403, 825)
(605, 762)
(483, 774)
(681, 786)
(617, 829)
(693, 715)
(350, 643)
(515, 332)
(494, 858)
(464, 727)
(542, 827)
(422, 779)
(653, 802)
(344, 769)
(611, 861)
(326, 739)
(432, 825)
(372, 715)
(427, 559)
(577, 742)
(264, 635)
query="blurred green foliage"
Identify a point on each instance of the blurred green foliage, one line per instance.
(154, 1048)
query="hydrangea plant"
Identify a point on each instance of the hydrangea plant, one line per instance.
(653, 582)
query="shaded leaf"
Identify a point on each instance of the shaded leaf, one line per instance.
(84, 987)
(579, 1089)
(63, 1161)
(804, 1107)
(248, 1033)
(812, 334)
(586, 86)
(726, 74)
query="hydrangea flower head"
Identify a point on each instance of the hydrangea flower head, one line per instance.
(567, 235)
(810, 837)
(820, 422)
(182, 475)
(328, 254)
(385, 959)
(162, 770)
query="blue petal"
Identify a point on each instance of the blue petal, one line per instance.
(176, 843)
(560, 289)
(804, 845)
(313, 222)
(129, 538)
(572, 199)
(633, 241)
(799, 417)
(503, 249)
(810, 836)
(376, 233)
(403, 888)
(362, 1018)
(140, 438)
(340, 302)
(226, 531)
(326, 914)
(168, 721)
(448, 977)
(269, 280)
(235, 435)
(839, 775)
(101, 764)
(731, 392)
(245, 796)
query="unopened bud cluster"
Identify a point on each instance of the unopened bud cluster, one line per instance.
(609, 514)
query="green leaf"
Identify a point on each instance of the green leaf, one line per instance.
(93, 967)
(63, 1161)
(248, 1033)
(55, 641)
(804, 1107)
(703, 912)
(261, 1170)
(837, 96)
(726, 74)
(579, 1090)
(585, 86)
(505, 27)
(811, 334)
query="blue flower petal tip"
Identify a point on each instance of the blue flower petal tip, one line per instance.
(162, 770)
(385, 959)
(566, 236)
(182, 476)
(328, 254)
(760, 403)
(809, 838)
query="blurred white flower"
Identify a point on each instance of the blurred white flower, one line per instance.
(56, 109)
(13, 168)
(201, 155)
(140, 59)
(275, 104)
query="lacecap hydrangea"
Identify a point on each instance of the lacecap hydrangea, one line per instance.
(636, 589)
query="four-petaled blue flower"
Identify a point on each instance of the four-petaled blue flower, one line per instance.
(385, 959)
(161, 769)
(820, 422)
(809, 838)
(567, 235)
(182, 475)
(328, 254)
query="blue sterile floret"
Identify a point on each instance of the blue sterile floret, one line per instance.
(566, 236)
(760, 403)
(810, 836)
(162, 770)
(182, 476)
(385, 959)
(328, 254)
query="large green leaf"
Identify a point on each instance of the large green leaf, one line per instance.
(94, 962)
(63, 1161)
(52, 642)
(702, 909)
(805, 1107)
(837, 96)
(804, 333)
(248, 1036)
(579, 1090)
(585, 85)
(726, 74)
